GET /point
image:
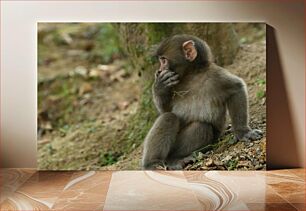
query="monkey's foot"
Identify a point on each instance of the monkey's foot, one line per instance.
(157, 165)
(175, 166)
(252, 135)
(180, 164)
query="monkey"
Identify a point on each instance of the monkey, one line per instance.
(192, 95)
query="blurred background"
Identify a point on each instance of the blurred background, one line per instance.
(94, 96)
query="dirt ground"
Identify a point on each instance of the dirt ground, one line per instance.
(84, 103)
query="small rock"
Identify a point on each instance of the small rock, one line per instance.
(80, 70)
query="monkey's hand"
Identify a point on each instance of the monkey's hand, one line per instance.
(252, 135)
(164, 80)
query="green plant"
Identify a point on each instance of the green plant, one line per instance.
(260, 94)
(108, 158)
(231, 164)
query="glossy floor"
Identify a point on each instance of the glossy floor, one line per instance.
(26, 189)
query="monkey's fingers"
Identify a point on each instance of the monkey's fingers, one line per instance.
(171, 78)
(258, 131)
(166, 74)
(256, 134)
(159, 72)
(253, 135)
(172, 83)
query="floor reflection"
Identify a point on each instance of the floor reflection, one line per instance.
(27, 189)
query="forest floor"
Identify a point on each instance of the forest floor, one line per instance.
(84, 106)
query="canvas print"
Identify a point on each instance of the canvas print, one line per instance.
(151, 96)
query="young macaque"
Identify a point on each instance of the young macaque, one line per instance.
(192, 95)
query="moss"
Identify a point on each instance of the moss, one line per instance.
(142, 121)
(158, 31)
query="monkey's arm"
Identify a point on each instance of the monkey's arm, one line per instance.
(239, 112)
(161, 100)
(162, 90)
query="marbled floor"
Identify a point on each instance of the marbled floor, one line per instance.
(26, 189)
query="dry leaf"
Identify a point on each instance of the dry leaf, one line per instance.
(85, 88)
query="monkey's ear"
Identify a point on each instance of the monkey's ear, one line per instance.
(190, 50)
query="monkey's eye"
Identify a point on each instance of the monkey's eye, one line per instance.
(163, 60)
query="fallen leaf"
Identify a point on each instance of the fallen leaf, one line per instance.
(85, 88)
(243, 163)
(94, 73)
(218, 163)
(210, 162)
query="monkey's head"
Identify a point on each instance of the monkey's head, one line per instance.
(183, 53)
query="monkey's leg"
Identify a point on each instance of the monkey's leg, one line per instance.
(159, 140)
(191, 138)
